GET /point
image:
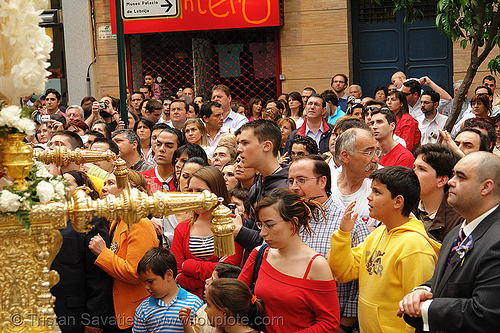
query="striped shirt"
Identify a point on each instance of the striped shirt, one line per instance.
(319, 241)
(154, 315)
(201, 247)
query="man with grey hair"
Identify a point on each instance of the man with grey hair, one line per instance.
(357, 151)
(129, 144)
(462, 295)
(355, 91)
(75, 112)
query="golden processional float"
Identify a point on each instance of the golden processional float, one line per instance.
(33, 203)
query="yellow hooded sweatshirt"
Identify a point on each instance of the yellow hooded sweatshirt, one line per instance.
(388, 265)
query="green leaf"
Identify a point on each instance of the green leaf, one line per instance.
(463, 43)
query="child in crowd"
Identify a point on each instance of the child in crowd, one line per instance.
(160, 312)
(149, 80)
(201, 323)
(393, 259)
(231, 307)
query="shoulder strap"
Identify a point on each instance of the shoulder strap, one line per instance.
(310, 264)
(256, 266)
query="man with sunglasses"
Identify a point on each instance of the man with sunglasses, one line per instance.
(412, 88)
(309, 177)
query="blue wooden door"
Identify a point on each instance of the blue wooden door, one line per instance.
(383, 44)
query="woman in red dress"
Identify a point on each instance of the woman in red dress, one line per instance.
(294, 281)
(406, 127)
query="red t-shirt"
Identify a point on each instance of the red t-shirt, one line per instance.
(407, 129)
(293, 304)
(398, 155)
(156, 183)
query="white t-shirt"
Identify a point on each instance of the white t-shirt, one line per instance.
(359, 196)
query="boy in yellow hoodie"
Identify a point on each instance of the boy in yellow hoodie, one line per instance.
(393, 259)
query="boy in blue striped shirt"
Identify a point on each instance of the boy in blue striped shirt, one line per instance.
(160, 312)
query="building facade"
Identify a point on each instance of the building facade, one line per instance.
(310, 42)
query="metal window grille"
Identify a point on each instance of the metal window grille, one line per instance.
(243, 59)
(371, 12)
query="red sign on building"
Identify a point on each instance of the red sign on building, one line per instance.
(207, 15)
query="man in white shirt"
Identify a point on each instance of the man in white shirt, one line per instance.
(412, 88)
(430, 122)
(222, 94)
(462, 295)
(356, 151)
(211, 113)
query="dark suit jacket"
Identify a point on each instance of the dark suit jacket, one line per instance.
(467, 296)
(84, 291)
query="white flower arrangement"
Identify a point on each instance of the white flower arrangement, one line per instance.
(15, 119)
(43, 187)
(24, 48)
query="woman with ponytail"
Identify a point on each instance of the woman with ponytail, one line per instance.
(294, 281)
(232, 308)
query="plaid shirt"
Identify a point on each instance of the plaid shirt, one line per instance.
(320, 242)
(142, 165)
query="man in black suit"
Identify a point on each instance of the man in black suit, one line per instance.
(462, 295)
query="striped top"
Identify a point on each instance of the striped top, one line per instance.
(154, 315)
(201, 247)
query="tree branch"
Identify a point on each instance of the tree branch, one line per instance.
(491, 33)
(479, 33)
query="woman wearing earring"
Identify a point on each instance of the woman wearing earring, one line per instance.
(294, 281)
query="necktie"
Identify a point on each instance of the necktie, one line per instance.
(456, 243)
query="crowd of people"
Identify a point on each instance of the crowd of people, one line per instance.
(341, 203)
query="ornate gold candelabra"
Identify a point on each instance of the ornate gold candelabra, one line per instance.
(26, 255)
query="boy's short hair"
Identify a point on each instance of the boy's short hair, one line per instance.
(400, 181)
(265, 130)
(159, 260)
(309, 144)
(225, 270)
(243, 195)
(441, 158)
(388, 114)
(74, 139)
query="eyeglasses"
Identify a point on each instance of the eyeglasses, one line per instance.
(370, 153)
(266, 225)
(372, 108)
(407, 93)
(300, 180)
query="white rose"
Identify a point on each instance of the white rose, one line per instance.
(41, 170)
(27, 76)
(26, 125)
(45, 191)
(9, 115)
(9, 202)
(59, 188)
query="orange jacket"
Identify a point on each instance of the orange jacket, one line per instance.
(128, 290)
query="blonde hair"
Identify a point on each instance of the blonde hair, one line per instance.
(228, 139)
(201, 127)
